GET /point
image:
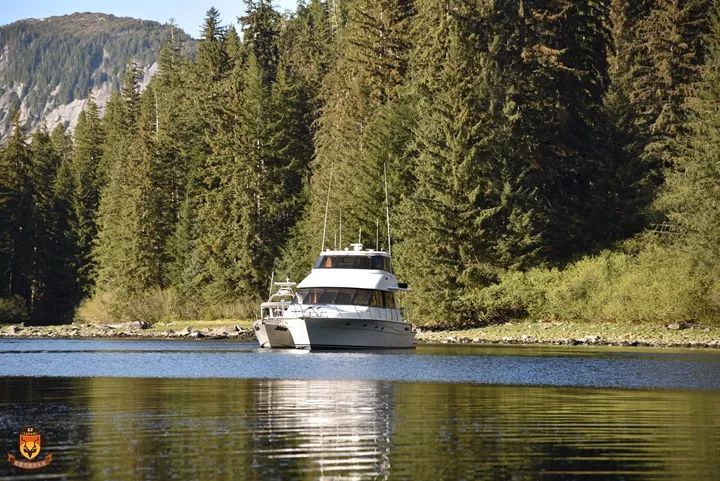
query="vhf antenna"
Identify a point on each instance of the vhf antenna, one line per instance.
(327, 205)
(387, 209)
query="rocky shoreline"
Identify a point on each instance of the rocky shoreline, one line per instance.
(434, 338)
(623, 334)
(124, 330)
(522, 333)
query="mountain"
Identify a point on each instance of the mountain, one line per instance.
(49, 67)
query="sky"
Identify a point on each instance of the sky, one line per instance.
(188, 14)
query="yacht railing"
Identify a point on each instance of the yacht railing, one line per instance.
(339, 312)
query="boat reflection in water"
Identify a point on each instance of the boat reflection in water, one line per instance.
(329, 429)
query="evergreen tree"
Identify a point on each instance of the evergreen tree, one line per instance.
(260, 27)
(307, 47)
(206, 94)
(53, 276)
(232, 246)
(212, 57)
(290, 149)
(659, 50)
(633, 184)
(449, 221)
(130, 95)
(66, 284)
(114, 134)
(87, 182)
(130, 249)
(177, 141)
(554, 55)
(372, 57)
(692, 195)
(16, 216)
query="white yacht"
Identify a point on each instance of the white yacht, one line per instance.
(270, 329)
(348, 302)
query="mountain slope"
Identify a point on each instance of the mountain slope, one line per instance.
(49, 67)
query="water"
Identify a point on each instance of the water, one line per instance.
(225, 410)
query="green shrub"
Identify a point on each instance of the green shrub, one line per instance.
(508, 299)
(158, 305)
(98, 309)
(107, 307)
(240, 309)
(662, 284)
(13, 310)
(654, 284)
(578, 292)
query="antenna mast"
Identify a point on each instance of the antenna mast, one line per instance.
(377, 234)
(327, 205)
(387, 209)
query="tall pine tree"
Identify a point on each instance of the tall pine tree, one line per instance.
(16, 217)
(87, 182)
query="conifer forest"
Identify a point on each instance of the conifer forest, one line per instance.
(554, 159)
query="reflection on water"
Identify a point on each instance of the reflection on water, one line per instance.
(327, 428)
(133, 428)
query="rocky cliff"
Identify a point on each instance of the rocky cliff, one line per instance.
(50, 67)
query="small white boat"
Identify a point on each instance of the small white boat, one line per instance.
(348, 302)
(271, 329)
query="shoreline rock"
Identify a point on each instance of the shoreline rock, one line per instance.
(234, 332)
(124, 330)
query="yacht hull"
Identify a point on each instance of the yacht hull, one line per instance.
(273, 334)
(344, 333)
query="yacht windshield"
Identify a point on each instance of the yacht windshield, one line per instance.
(349, 297)
(354, 262)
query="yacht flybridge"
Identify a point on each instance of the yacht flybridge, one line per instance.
(348, 301)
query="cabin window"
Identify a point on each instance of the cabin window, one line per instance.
(376, 300)
(376, 262)
(327, 296)
(362, 297)
(389, 300)
(345, 296)
(344, 262)
(388, 264)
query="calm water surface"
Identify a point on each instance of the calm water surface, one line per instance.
(225, 410)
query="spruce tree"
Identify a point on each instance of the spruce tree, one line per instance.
(307, 47)
(177, 142)
(260, 27)
(234, 247)
(133, 231)
(114, 133)
(553, 56)
(659, 49)
(131, 246)
(53, 273)
(449, 221)
(212, 57)
(692, 195)
(68, 287)
(87, 183)
(16, 216)
(369, 71)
